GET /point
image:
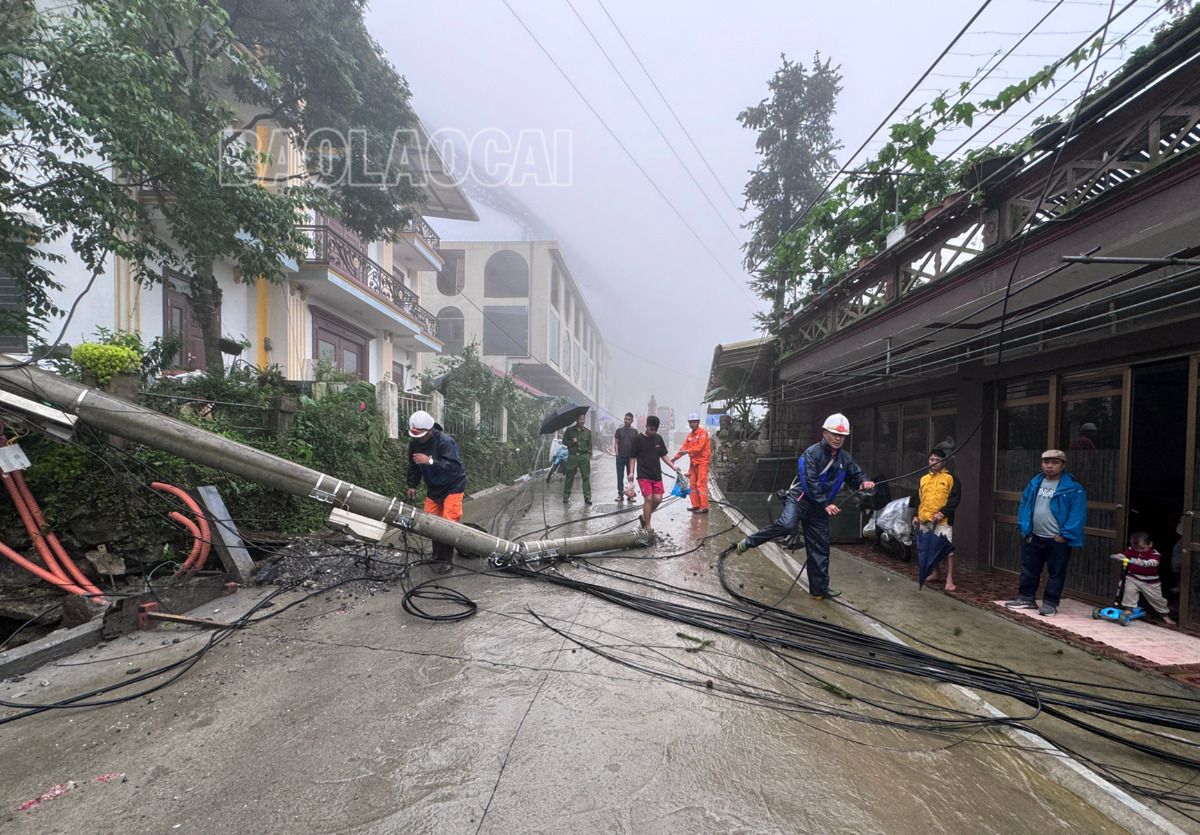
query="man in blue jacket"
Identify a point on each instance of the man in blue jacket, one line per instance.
(433, 458)
(1051, 519)
(823, 469)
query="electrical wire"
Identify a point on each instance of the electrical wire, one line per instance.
(628, 153)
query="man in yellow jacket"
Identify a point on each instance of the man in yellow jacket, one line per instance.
(936, 500)
(698, 449)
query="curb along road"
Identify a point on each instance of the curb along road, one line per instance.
(1106, 798)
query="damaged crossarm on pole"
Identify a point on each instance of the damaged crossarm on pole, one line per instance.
(145, 426)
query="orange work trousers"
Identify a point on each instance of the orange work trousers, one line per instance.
(448, 508)
(698, 482)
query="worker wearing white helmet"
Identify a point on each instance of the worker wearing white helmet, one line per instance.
(698, 448)
(433, 457)
(822, 470)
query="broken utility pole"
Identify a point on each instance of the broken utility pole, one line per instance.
(145, 426)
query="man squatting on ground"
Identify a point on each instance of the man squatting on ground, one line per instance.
(649, 456)
(624, 448)
(578, 441)
(937, 497)
(1051, 518)
(698, 449)
(433, 457)
(823, 469)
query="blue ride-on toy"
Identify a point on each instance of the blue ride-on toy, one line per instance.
(1116, 613)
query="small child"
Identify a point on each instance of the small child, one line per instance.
(1142, 562)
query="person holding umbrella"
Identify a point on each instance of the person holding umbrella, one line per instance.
(937, 497)
(578, 441)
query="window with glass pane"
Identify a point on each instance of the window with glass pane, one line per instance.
(506, 330)
(13, 306)
(555, 329)
(1090, 432)
(941, 432)
(451, 329)
(1020, 441)
(862, 441)
(915, 450)
(887, 443)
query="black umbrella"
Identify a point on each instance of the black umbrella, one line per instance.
(931, 549)
(561, 418)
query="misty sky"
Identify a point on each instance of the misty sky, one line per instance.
(661, 298)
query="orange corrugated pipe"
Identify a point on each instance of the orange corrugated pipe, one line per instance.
(64, 558)
(192, 563)
(41, 572)
(178, 517)
(35, 533)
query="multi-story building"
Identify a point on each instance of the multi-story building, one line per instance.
(349, 304)
(1060, 311)
(520, 303)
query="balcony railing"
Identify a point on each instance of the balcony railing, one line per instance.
(329, 248)
(419, 225)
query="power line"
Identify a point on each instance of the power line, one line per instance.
(846, 166)
(653, 121)
(670, 109)
(882, 124)
(625, 148)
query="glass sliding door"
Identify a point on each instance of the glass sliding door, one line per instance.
(1187, 564)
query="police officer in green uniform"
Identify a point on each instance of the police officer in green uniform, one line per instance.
(578, 441)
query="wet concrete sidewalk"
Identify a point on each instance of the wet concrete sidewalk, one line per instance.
(356, 717)
(1145, 644)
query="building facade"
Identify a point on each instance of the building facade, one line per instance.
(1060, 309)
(520, 303)
(348, 306)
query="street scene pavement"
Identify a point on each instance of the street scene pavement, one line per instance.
(551, 709)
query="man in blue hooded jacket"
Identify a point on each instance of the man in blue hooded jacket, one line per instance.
(822, 470)
(1051, 518)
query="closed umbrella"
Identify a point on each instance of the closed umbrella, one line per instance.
(932, 548)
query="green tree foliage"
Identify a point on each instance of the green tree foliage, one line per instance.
(464, 380)
(797, 149)
(121, 128)
(342, 101)
(902, 181)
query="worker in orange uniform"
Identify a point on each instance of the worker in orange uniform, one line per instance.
(698, 449)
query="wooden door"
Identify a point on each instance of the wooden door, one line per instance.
(178, 320)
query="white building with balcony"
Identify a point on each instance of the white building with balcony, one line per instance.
(520, 303)
(351, 305)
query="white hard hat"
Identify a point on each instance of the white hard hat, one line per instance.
(693, 416)
(837, 423)
(1089, 427)
(420, 423)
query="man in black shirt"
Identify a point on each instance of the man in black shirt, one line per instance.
(624, 447)
(650, 454)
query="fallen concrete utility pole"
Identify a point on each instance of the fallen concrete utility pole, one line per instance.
(136, 423)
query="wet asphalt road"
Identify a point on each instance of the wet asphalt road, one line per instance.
(348, 715)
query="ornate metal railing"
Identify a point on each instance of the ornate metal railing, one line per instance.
(419, 225)
(329, 248)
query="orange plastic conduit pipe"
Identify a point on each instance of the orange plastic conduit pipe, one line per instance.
(35, 533)
(192, 528)
(41, 572)
(64, 558)
(205, 537)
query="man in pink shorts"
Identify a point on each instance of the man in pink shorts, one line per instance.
(649, 455)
